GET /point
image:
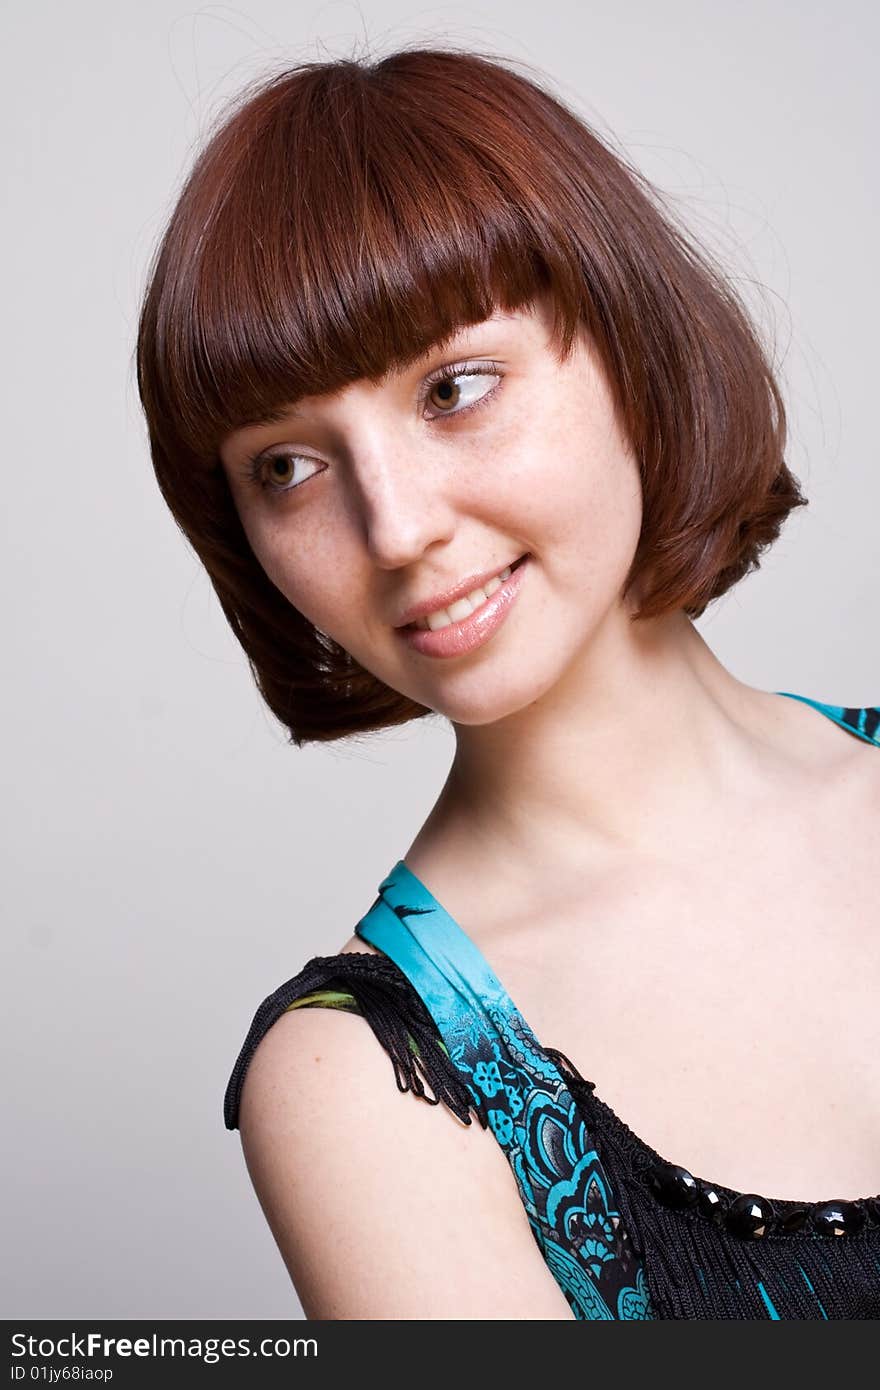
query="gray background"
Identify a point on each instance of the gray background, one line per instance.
(157, 829)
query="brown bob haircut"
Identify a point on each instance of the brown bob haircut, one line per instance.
(346, 217)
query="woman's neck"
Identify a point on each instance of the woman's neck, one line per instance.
(647, 746)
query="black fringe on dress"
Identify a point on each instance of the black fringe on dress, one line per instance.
(394, 1011)
(697, 1269)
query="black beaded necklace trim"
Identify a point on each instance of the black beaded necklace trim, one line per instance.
(750, 1216)
(747, 1215)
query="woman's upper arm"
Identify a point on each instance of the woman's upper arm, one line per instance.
(382, 1205)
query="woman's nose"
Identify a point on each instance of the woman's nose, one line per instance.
(404, 502)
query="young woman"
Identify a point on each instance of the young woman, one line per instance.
(460, 422)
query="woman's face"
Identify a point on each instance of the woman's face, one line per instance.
(386, 495)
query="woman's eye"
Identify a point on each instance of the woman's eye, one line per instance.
(459, 391)
(276, 472)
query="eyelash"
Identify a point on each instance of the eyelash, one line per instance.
(254, 464)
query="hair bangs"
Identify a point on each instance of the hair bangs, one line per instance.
(357, 227)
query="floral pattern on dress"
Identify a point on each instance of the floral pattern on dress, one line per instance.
(559, 1174)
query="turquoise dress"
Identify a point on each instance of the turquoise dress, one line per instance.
(626, 1233)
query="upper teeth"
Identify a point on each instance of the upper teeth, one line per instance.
(463, 607)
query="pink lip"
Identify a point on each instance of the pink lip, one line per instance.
(449, 596)
(457, 638)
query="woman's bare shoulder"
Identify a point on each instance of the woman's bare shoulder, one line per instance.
(382, 1204)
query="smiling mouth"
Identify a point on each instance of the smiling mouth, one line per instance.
(422, 624)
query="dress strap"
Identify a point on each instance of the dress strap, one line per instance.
(565, 1190)
(863, 722)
